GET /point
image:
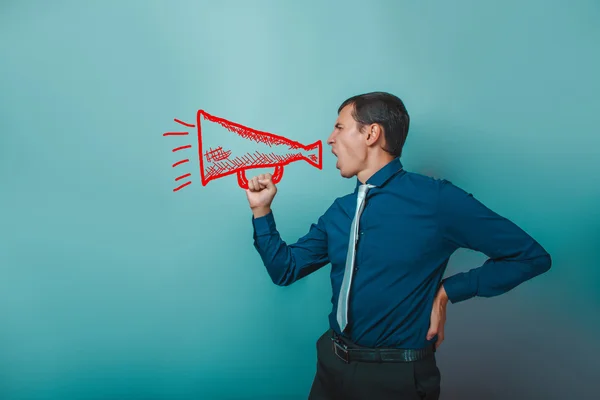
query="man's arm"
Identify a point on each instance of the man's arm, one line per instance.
(514, 256)
(289, 263)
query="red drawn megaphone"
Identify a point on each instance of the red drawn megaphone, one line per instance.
(227, 148)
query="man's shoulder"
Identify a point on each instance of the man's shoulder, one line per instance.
(447, 194)
(426, 183)
(431, 189)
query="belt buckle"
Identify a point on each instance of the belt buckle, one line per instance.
(338, 346)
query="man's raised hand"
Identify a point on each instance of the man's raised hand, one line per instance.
(261, 191)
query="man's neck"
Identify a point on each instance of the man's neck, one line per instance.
(378, 163)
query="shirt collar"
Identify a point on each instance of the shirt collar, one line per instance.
(383, 175)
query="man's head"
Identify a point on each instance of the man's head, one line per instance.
(370, 131)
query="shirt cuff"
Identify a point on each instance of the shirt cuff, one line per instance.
(264, 225)
(461, 286)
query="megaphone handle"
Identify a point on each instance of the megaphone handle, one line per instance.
(243, 181)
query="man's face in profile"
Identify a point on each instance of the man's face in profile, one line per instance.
(348, 143)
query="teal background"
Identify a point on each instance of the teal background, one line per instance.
(112, 286)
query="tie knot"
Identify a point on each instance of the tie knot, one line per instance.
(362, 189)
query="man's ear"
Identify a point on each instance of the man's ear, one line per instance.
(374, 132)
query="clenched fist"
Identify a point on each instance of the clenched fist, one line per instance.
(261, 191)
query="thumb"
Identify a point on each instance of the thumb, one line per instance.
(267, 182)
(433, 328)
(431, 333)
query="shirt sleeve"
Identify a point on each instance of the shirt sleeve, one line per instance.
(514, 256)
(287, 263)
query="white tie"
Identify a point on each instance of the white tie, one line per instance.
(342, 310)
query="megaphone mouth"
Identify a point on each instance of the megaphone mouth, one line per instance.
(316, 160)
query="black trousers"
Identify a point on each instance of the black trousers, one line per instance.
(336, 379)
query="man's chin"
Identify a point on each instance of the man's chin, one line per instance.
(344, 174)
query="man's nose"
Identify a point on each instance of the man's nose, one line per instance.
(330, 138)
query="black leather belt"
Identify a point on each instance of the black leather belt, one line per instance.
(348, 353)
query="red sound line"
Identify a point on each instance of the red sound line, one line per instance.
(182, 176)
(203, 180)
(180, 162)
(182, 186)
(174, 133)
(184, 123)
(187, 146)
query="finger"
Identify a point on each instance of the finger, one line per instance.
(261, 183)
(267, 183)
(433, 330)
(433, 327)
(264, 178)
(431, 333)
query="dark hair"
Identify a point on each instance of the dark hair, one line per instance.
(384, 109)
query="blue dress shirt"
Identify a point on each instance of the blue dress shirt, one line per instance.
(409, 228)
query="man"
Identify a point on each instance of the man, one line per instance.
(389, 243)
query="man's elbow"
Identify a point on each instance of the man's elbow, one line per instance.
(281, 280)
(541, 265)
(281, 275)
(292, 273)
